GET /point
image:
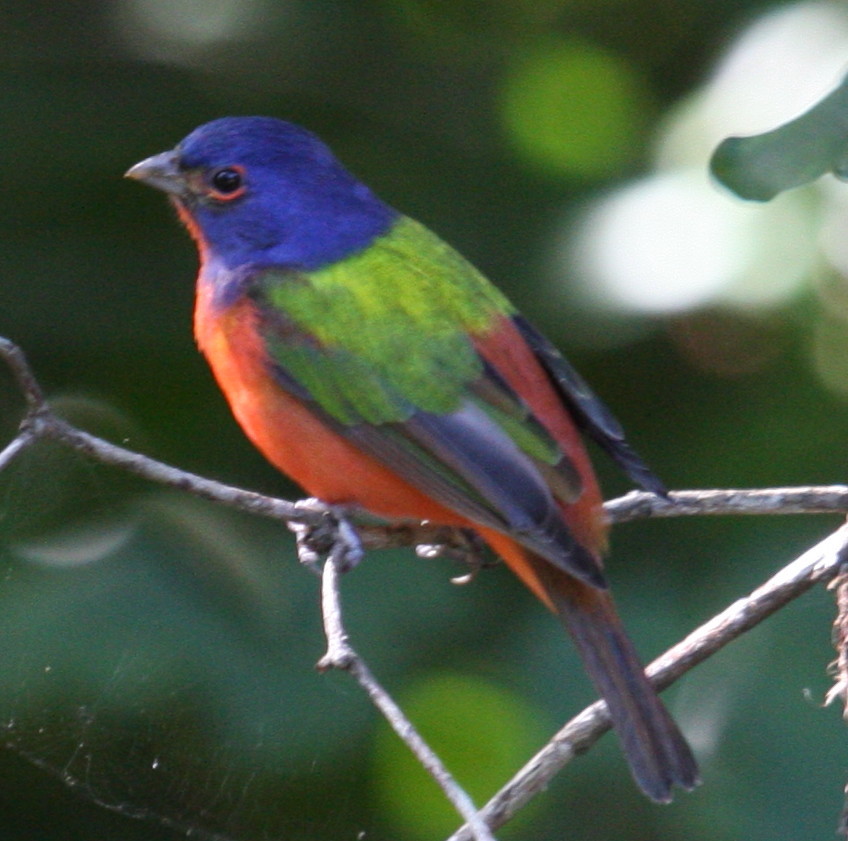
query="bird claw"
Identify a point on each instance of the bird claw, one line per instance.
(333, 538)
(463, 545)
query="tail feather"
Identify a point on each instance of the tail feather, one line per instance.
(658, 755)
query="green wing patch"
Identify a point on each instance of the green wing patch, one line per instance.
(390, 328)
(389, 332)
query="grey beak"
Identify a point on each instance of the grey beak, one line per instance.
(160, 171)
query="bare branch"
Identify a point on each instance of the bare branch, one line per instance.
(25, 439)
(172, 477)
(820, 563)
(640, 505)
(340, 655)
(23, 374)
(839, 668)
(41, 422)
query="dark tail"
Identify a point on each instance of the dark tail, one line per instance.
(659, 756)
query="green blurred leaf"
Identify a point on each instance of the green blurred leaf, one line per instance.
(481, 731)
(761, 166)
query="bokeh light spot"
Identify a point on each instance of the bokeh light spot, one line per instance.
(672, 243)
(574, 108)
(79, 544)
(173, 29)
(662, 245)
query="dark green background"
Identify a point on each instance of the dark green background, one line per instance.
(171, 675)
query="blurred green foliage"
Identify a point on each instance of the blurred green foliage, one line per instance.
(574, 108)
(481, 731)
(158, 653)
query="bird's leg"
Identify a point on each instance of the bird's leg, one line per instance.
(460, 544)
(333, 537)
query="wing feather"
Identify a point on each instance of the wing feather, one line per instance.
(437, 414)
(590, 413)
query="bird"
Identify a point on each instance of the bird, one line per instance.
(371, 363)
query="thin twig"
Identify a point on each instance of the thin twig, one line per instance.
(824, 499)
(23, 374)
(24, 439)
(340, 655)
(172, 477)
(640, 505)
(43, 423)
(839, 634)
(820, 563)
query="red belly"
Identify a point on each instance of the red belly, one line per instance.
(289, 435)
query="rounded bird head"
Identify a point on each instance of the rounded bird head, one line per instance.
(257, 191)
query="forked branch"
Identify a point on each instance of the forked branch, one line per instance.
(324, 532)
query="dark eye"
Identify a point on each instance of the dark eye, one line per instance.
(227, 181)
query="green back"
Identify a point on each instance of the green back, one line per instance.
(386, 331)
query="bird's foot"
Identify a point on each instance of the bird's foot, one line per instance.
(463, 545)
(333, 537)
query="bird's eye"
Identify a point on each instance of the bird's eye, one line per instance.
(226, 180)
(227, 183)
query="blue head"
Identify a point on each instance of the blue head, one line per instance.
(260, 191)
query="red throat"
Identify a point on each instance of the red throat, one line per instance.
(194, 231)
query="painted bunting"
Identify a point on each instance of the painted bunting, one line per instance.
(381, 371)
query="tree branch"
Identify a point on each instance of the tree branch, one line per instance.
(23, 374)
(640, 505)
(820, 563)
(324, 531)
(341, 655)
(26, 438)
(41, 422)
